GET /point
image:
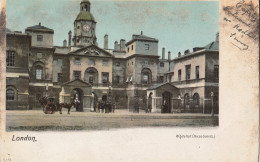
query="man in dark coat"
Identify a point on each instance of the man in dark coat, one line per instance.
(136, 104)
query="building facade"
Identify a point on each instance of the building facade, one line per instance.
(81, 68)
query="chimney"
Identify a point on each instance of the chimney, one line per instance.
(179, 54)
(69, 41)
(122, 45)
(65, 43)
(163, 53)
(40, 23)
(217, 37)
(169, 55)
(116, 46)
(186, 52)
(106, 42)
(141, 32)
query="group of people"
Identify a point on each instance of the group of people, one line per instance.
(148, 108)
(104, 107)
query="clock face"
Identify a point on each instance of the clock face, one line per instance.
(86, 28)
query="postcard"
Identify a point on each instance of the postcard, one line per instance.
(92, 80)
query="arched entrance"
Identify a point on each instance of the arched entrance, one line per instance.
(78, 93)
(166, 102)
(186, 102)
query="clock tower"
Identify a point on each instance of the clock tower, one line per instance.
(84, 26)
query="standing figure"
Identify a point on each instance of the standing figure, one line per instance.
(77, 101)
(149, 102)
(136, 104)
(164, 107)
(97, 107)
(113, 107)
(101, 106)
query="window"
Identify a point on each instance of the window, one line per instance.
(161, 64)
(187, 99)
(10, 94)
(116, 79)
(196, 99)
(10, 58)
(197, 72)
(216, 71)
(146, 62)
(145, 79)
(91, 62)
(170, 78)
(38, 73)
(77, 61)
(39, 38)
(188, 72)
(59, 62)
(161, 79)
(132, 47)
(117, 63)
(39, 55)
(77, 74)
(147, 46)
(105, 63)
(105, 77)
(179, 75)
(91, 78)
(128, 49)
(59, 79)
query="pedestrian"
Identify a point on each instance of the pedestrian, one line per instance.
(113, 107)
(97, 107)
(149, 108)
(164, 108)
(101, 106)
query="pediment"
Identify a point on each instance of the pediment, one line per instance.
(92, 50)
(77, 83)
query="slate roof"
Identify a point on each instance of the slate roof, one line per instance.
(62, 50)
(39, 27)
(212, 46)
(159, 85)
(141, 38)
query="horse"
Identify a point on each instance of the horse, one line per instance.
(65, 105)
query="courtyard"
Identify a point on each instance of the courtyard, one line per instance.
(36, 120)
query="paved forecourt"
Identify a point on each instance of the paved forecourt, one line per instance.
(36, 120)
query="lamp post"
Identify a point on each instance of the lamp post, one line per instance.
(212, 109)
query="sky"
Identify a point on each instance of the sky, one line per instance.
(178, 25)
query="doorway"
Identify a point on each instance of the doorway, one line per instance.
(78, 93)
(166, 100)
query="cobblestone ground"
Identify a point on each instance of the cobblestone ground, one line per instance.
(36, 120)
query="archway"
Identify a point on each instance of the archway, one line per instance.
(166, 100)
(186, 102)
(146, 76)
(78, 93)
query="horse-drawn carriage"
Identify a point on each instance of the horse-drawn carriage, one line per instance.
(50, 107)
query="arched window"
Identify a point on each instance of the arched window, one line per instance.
(146, 76)
(187, 99)
(38, 73)
(11, 93)
(38, 70)
(196, 99)
(91, 75)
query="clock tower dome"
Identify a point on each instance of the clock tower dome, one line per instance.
(84, 26)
